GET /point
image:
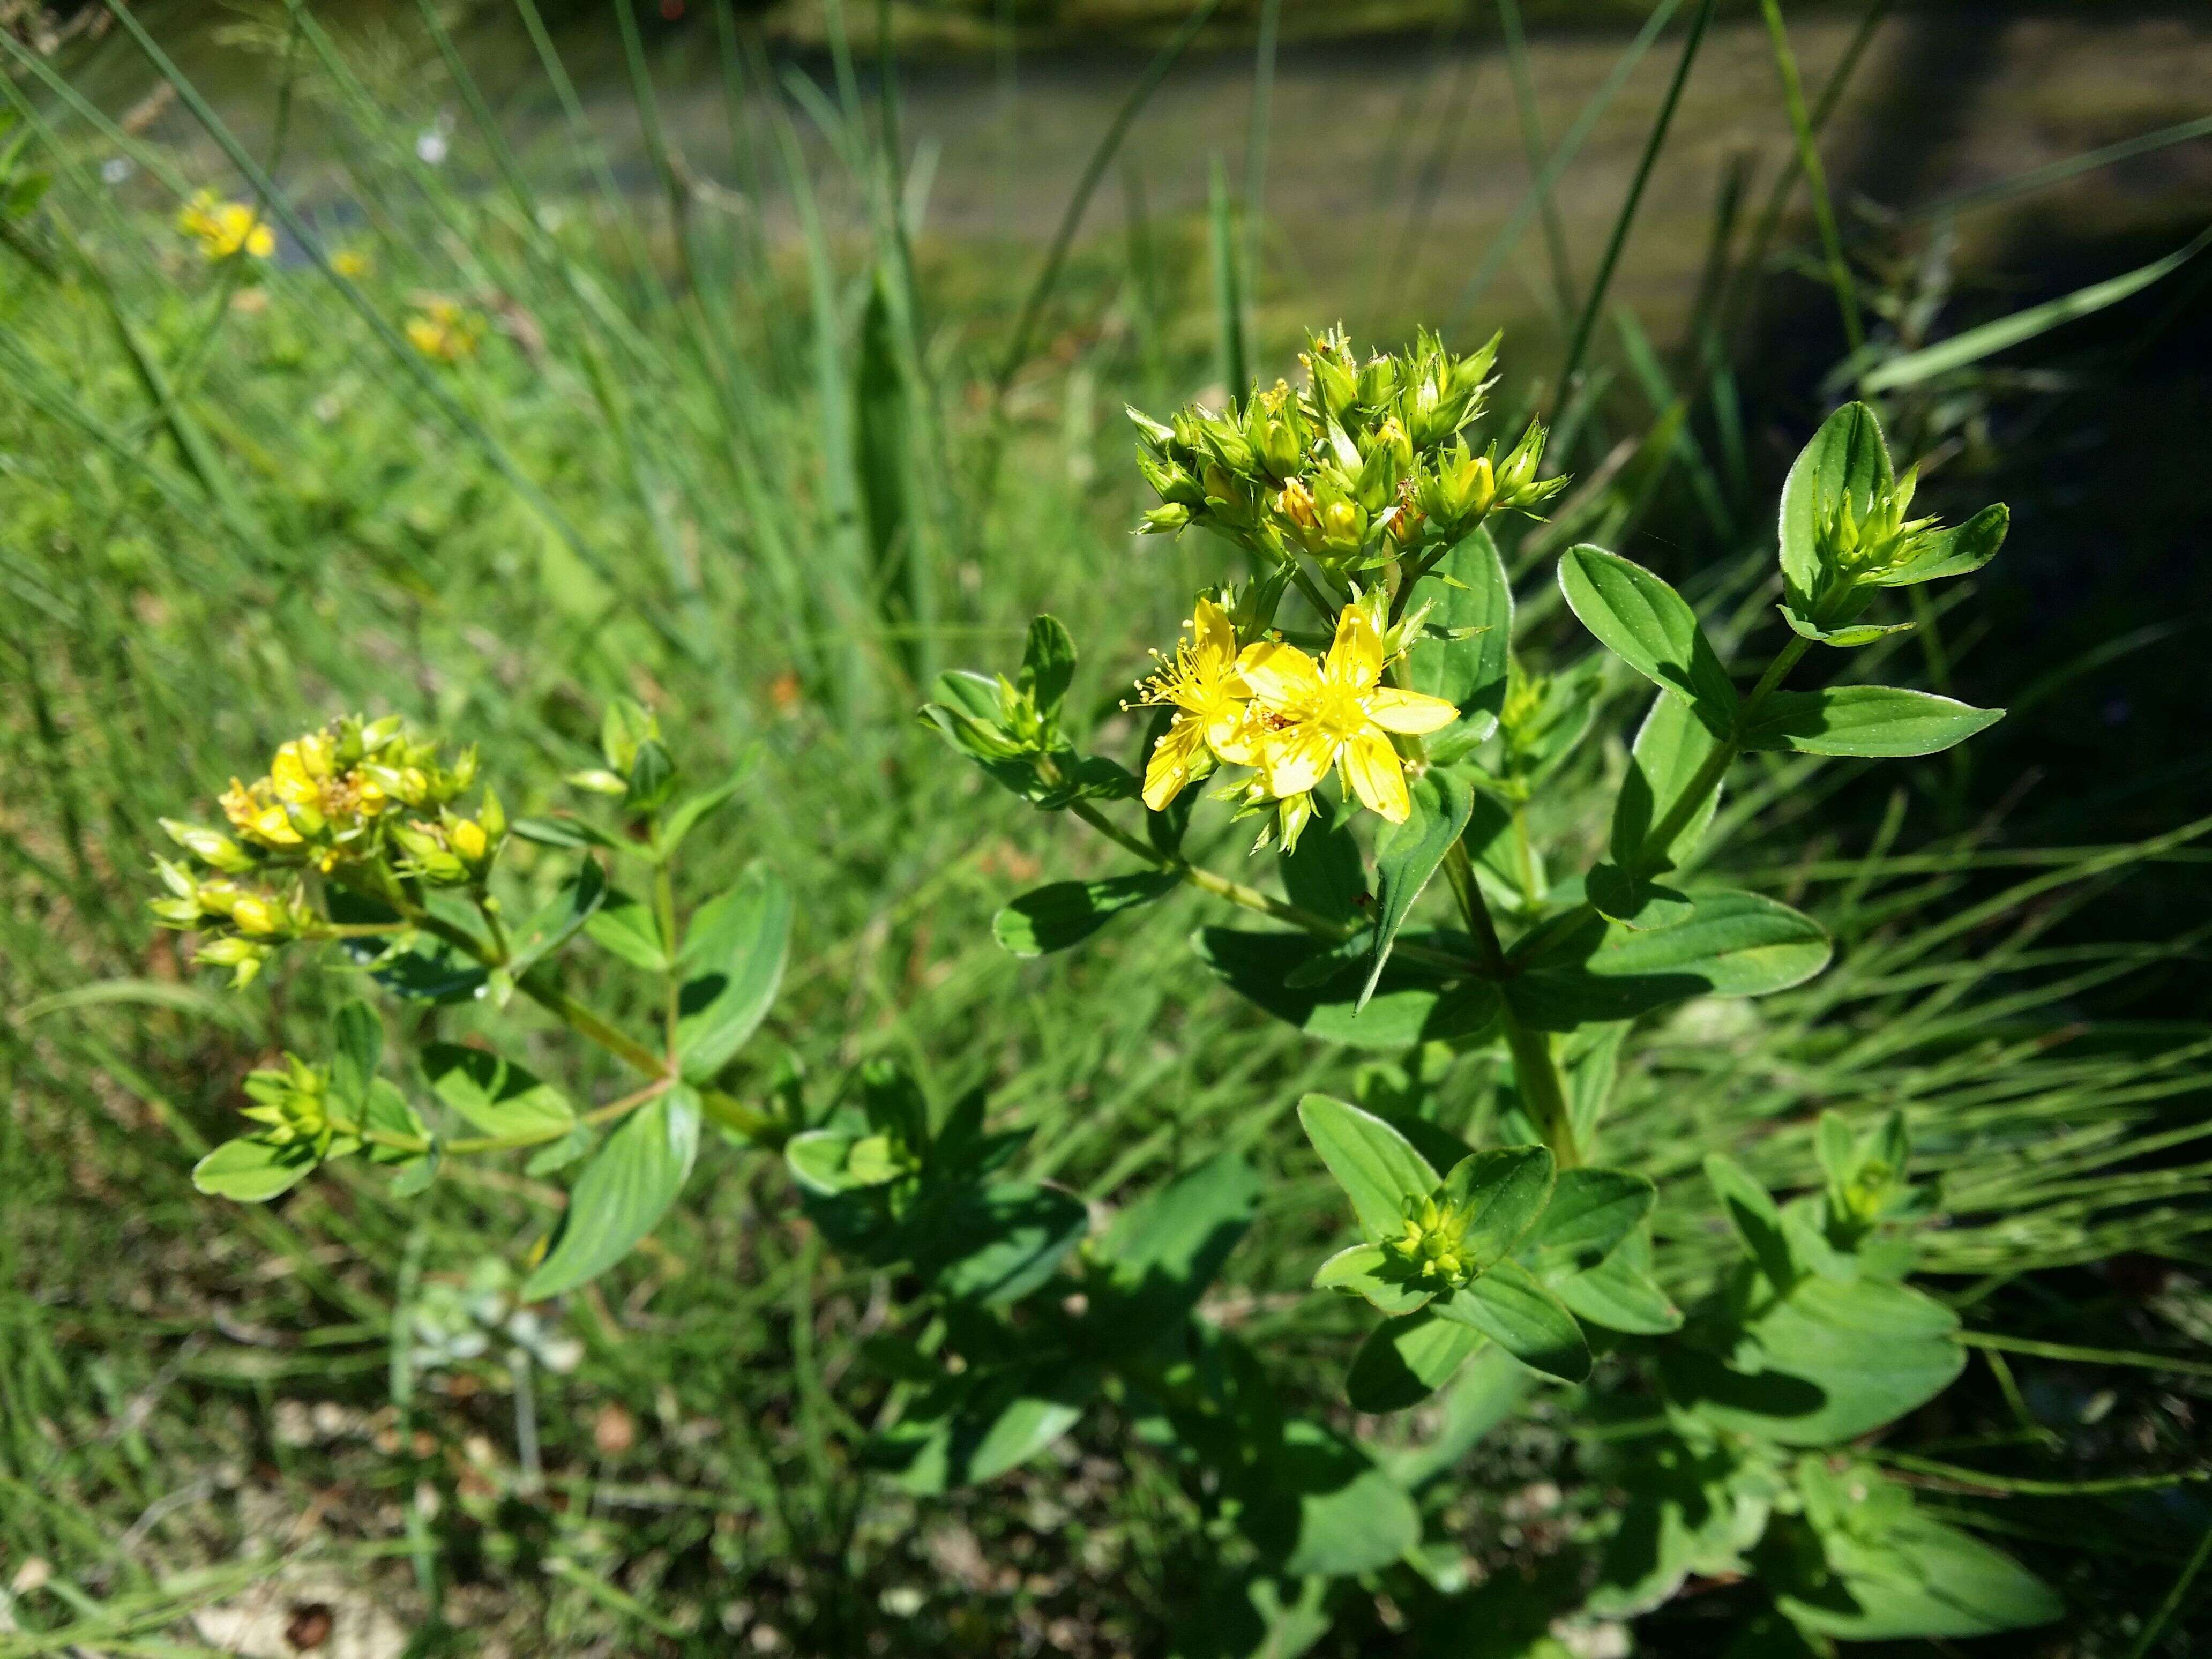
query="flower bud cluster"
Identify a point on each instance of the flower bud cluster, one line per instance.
(1860, 543)
(293, 1102)
(1430, 1251)
(1366, 463)
(363, 801)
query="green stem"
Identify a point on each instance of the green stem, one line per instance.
(1535, 1067)
(1207, 881)
(1707, 777)
(664, 911)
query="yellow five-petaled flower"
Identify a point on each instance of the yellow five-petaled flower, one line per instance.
(1309, 717)
(224, 230)
(1209, 698)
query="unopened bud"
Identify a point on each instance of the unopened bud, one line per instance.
(209, 846)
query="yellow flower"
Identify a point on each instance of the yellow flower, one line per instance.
(256, 818)
(444, 332)
(1203, 687)
(1336, 713)
(224, 230)
(349, 263)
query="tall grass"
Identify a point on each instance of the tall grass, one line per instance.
(767, 482)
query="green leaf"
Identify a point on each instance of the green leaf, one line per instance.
(1406, 855)
(1882, 721)
(1047, 663)
(1754, 1215)
(384, 1111)
(1632, 901)
(568, 832)
(1649, 626)
(1975, 344)
(1886, 1572)
(1361, 1271)
(734, 956)
(995, 1242)
(1830, 1361)
(559, 1154)
(1507, 1188)
(1411, 1005)
(1846, 459)
(1688, 1511)
(1164, 1249)
(253, 1169)
(1507, 1306)
(692, 809)
(1325, 1508)
(818, 1159)
(1593, 1062)
(1066, 913)
(626, 928)
(1956, 552)
(1474, 614)
(1620, 1293)
(1672, 746)
(560, 919)
(1591, 1211)
(967, 1431)
(622, 1193)
(1733, 945)
(496, 1095)
(1404, 1361)
(1325, 874)
(1376, 1166)
(354, 1059)
(1848, 637)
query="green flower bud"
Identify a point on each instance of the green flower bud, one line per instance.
(1164, 520)
(243, 958)
(209, 846)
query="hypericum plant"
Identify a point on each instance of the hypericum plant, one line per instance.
(355, 838)
(1364, 673)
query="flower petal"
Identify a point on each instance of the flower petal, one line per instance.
(1355, 658)
(1169, 767)
(1371, 766)
(1411, 712)
(1293, 760)
(1233, 734)
(1213, 640)
(1279, 675)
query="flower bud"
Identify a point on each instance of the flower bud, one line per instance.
(1164, 520)
(598, 781)
(254, 913)
(209, 846)
(242, 956)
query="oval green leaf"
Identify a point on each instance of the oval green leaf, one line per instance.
(733, 956)
(1376, 1166)
(622, 1193)
(1876, 721)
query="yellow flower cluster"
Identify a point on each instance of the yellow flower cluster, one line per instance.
(339, 801)
(444, 332)
(226, 229)
(1271, 708)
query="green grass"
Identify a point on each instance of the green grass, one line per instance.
(760, 482)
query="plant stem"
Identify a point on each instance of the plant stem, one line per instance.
(1535, 1067)
(1708, 776)
(664, 911)
(1207, 881)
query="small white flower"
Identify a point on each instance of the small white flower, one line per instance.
(116, 168)
(430, 146)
